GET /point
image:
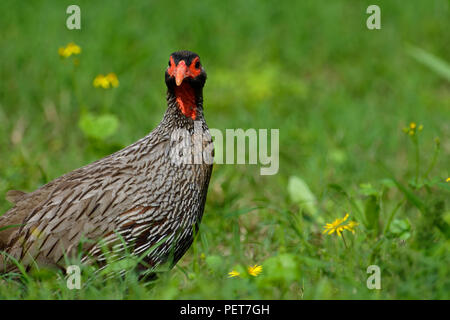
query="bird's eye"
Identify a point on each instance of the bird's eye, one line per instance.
(197, 65)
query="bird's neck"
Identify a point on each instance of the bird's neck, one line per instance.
(185, 104)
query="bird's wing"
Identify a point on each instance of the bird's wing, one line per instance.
(24, 204)
(83, 204)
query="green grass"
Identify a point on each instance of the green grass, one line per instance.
(339, 93)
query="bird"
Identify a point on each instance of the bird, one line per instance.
(148, 198)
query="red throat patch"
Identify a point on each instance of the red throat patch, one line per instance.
(186, 100)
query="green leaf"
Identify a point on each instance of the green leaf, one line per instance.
(412, 198)
(98, 127)
(372, 213)
(400, 229)
(300, 193)
(436, 64)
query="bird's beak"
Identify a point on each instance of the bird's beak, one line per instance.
(180, 72)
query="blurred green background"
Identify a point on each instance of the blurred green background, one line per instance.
(340, 95)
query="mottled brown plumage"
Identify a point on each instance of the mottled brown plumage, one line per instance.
(139, 192)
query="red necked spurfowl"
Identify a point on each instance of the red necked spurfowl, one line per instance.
(139, 199)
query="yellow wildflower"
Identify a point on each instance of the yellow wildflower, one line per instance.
(62, 52)
(69, 50)
(233, 273)
(350, 226)
(101, 81)
(74, 48)
(112, 78)
(412, 129)
(255, 270)
(336, 225)
(447, 180)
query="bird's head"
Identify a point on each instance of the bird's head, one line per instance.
(185, 66)
(185, 78)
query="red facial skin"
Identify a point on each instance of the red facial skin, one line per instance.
(183, 91)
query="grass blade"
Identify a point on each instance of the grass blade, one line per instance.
(436, 64)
